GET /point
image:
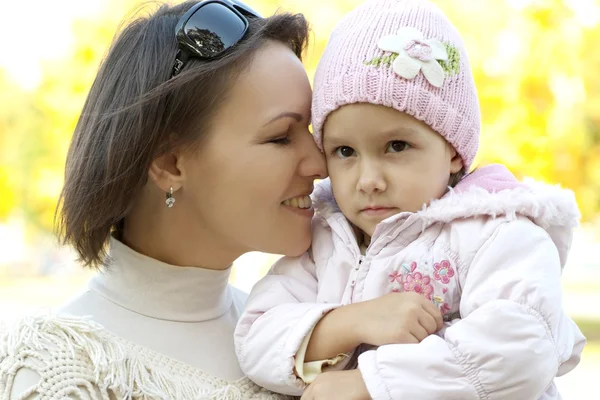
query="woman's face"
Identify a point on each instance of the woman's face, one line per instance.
(258, 156)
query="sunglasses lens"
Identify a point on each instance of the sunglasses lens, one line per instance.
(214, 28)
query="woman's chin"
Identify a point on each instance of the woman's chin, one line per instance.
(297, 245)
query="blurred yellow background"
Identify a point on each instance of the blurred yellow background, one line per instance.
(536, 64)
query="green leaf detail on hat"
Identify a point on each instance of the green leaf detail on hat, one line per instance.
(451, 66)
(386, 60)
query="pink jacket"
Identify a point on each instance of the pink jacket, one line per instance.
(489, 254)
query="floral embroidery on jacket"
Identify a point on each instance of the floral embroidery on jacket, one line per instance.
(416, 282)
(406, 268)
(439, 302)
(443, 271)
(406, 278)
(395, 276)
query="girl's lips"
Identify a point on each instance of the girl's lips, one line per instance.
(378, 211)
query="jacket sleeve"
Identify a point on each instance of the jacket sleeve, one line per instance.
(512, 340)
(281, 311)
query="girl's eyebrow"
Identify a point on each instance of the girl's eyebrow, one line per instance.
(397, 133)
(403, 132)
(335, 141)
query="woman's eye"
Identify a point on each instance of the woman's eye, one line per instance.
(282, 141)
(344, 151)
(397, 146)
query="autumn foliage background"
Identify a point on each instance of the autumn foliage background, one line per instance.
(536, 64)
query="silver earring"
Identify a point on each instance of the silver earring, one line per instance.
(170, 199)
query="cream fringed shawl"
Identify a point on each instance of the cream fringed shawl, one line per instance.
(76, 358)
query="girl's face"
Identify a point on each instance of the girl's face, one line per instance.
(382, 162)
(248, 183)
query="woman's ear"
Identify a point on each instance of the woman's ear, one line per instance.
(167, 171)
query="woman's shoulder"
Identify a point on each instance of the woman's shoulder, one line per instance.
(51, 356)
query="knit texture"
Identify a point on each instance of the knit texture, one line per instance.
(355, 69)
(77, 358)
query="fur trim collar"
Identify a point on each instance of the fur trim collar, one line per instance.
(546, 205)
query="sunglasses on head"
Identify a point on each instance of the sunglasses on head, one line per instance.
(210, 28)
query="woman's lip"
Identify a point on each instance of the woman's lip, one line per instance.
(304, 212)
(300, 195)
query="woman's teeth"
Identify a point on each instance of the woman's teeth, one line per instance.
(299, 202)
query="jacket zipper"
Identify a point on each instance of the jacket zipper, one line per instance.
(355, 276)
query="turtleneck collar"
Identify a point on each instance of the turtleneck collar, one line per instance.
(158, 290)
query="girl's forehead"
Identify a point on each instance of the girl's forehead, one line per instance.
(371, 123)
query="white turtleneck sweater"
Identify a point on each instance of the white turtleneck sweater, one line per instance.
(142, 328)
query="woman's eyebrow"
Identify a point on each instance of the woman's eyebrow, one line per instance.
(286, 114)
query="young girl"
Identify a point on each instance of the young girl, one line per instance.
(422, 281)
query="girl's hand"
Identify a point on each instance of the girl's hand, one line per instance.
(397, 318)
(337, 385)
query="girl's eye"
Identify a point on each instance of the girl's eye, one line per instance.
(344, 151)
(397, 146)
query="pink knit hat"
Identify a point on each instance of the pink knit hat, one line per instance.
(404, 54)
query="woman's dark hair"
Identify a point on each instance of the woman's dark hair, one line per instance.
(134, 113)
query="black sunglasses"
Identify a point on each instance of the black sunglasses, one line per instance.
(210, 28)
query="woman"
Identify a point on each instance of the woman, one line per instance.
(192, 149)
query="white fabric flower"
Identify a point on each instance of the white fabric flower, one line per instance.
(415, 53)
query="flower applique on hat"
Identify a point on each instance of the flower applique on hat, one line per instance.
(412, 53)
